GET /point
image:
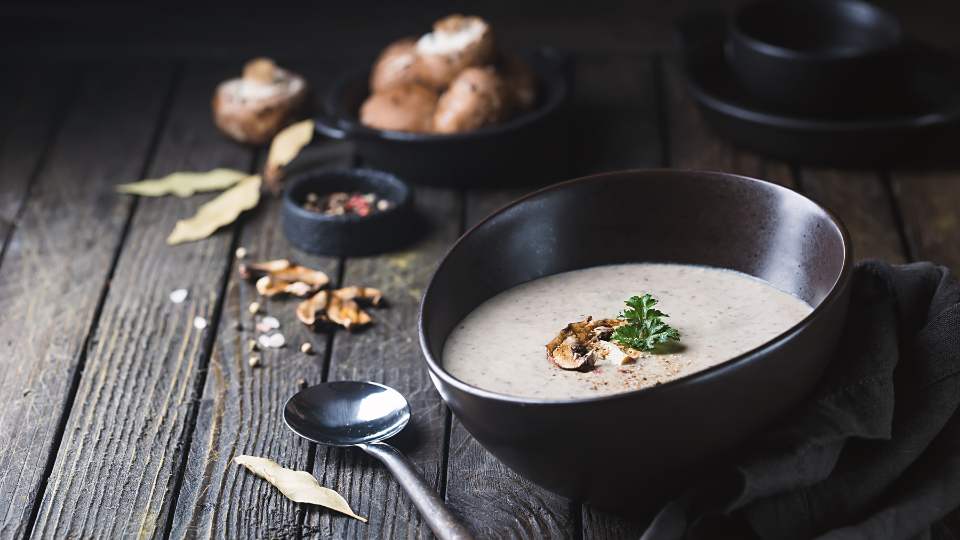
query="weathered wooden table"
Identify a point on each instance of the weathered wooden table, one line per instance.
(120, 418)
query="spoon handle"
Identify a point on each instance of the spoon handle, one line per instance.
(438, 517)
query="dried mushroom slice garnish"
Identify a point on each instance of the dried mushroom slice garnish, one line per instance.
(262, 268)
(340, 306)
(280, 276)
(583, 344)
(369, 294)
(308, 309)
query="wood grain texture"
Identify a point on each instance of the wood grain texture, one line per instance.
(692, 144)
(929, 204)
(862, 203)
(121, 454)
(241, 411)
(56, 267)
(30, 106)
(615, 113)
(618, 109)
(495, 501)
(388, 352)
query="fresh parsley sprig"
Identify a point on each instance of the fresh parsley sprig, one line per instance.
(644, 328)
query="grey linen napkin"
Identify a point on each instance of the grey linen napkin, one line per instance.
(875, 451)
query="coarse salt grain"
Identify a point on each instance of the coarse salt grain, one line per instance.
(270, 322)
(272, 341)
(178, 296)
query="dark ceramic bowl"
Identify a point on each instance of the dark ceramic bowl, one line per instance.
(817, 56)
(635, 448)
(529, 148)
(349, 234)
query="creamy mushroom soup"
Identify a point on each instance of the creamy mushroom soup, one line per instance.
(720, 314)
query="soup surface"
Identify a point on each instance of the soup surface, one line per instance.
(719, 313)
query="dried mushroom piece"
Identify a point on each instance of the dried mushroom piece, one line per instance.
(340, 306)
(262, 268)
(308, 309)
(280, 276)
(582, 344)
(374, 296)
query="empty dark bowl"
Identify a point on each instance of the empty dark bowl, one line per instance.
(347, 234)
(529, 148)
(635, 448)
(817, 56)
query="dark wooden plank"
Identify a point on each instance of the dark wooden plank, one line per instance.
(135, 403)
(31, 103)
(495, 501)
(618, 107)
(241, 408)
(389, 352)
(56, 267)
(615, 113)
(862, 202)
(929, 203)
(616, 127)
(694, 145)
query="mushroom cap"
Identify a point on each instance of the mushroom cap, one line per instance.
(520, 81)
(456, 43)
(252, 109)
(396, 65)
(476, 98)
(409, 107)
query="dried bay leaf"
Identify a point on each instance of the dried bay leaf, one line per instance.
(184, 184)
(286, 146)
(223, 210)
(298, 486)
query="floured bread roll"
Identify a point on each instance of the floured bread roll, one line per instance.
(252, 109)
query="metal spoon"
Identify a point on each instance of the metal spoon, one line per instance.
(363, 414)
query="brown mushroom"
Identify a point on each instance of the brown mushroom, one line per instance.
(476, 98)
(580, 345)
(397, 65)
(520, 81)
(252, 109)
(409, 107)
(456, 43)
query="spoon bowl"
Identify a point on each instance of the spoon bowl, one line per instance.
(347, 413)
(364, 414)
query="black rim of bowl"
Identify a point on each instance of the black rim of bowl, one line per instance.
(781, 51)
(552, 84)
(305, 177)
(717, 370)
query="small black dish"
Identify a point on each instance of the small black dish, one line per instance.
(527, 149)
(816, 56)
(910, 129)
(348, 235)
